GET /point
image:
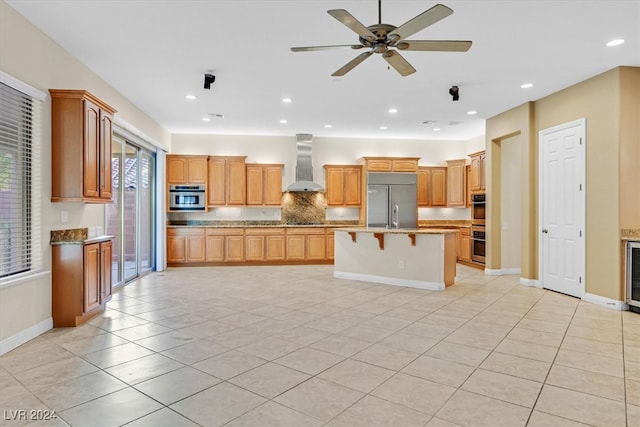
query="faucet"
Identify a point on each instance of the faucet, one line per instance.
(395, 218)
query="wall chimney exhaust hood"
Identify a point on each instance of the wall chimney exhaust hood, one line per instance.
(304, 166)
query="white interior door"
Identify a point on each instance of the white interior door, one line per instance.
(562, 208)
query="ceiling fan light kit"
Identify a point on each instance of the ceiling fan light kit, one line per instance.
(386, 40)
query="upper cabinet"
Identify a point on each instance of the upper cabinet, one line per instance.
(182, 169)
(477, 170)
(343, 185)
(391, 164)
(264, 184)
(432, 186)
(81, 137)
(456, 183)
(227, 184)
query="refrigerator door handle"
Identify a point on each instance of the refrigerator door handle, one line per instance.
(396, 217)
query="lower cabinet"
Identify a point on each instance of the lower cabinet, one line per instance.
(81, 281)
(464, 244)
(264, 244)
(224, 245)
(185, 245)
(306, 244)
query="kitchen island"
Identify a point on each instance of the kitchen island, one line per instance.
(418, 258)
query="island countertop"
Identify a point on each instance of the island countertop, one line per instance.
(397, 230)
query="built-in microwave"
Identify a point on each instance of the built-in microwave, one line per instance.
(187, 198)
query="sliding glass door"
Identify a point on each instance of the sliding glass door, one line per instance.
(130, 217)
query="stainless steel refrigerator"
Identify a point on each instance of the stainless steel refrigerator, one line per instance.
(392, 200)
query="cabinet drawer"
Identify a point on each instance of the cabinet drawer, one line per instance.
(305, 230)
(185, 231)
(263, 231)
(225, 231)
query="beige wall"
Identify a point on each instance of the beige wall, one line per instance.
(511, 202)
(610, 104)
(28, 55)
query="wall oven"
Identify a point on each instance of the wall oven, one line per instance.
(478, 209)
(633, 276)
(478, 243)
(187, 198)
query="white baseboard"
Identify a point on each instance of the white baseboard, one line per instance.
(605, 302)
(530, 282)
(431, 286)
(501, 272)
(8, 344)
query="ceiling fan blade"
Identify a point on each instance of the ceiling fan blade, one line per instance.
(347, 19)
(422, 21)
(336, 46)
(352, 64)
(435, 45)
(398, 62)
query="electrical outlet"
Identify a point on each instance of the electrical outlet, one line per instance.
(64, 217)
(401, 264)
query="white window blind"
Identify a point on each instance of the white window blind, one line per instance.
(20, 181)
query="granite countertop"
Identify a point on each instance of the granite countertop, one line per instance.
(630, 233)
(444, 223)
(76, 236)
(397, 230)
(255, 224)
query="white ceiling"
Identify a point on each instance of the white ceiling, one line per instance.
(155, 52)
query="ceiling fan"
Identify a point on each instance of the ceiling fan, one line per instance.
(387, 39)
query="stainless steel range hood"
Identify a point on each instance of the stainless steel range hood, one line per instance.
(304, 166)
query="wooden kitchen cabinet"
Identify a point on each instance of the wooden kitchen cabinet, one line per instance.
(227, 181)
(224, 245)
(464, 244)
(306, 243)
(81, 138)
(330, 237)
(477, 170)
(81, 281)
(456, 183)
(264, 184)
(264, 244)
(343, 185)
(183, 169)
(391, 164)
(185, 245)
(432, 186)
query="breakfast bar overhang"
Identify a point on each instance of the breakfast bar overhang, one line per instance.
(417, 258)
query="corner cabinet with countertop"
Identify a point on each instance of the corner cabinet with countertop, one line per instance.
(81, 277)
(81, 138)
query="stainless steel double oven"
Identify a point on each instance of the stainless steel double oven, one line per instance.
(478, 239)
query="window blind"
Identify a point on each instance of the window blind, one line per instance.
(20, 182)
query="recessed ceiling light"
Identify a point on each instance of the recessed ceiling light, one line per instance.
(328, 126)
(471, 113)
(287, 100)
(206, 119)
(615, 42)
(191, 96)
(526, 85)
(393, 110)
(283, 121)
(436, 129)
(383, 127)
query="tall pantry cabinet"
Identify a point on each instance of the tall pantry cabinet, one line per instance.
(81, 136)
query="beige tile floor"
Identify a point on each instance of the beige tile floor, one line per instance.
(292, 346)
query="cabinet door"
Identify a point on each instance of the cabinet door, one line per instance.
(424, 187)
(330, 246)
(482, 172)
(255, 185)
(335, 185)
(91, 152)
(197, 170)
(195, 248)
(456, 181)
(106, 136)
(353, 186)
(438, 187)
(177, 170)
(234, 248)
(465, 248)
(273, 185)
(316, 247)
(91, 285)
(105, 271)
(214, 249)
(176, 249)
(236, 182)
(295, 247)
(402, 165)
(275, 248)
(379, 165)
(254, 247)
(217, 182)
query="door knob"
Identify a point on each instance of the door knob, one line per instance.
(545, 231)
